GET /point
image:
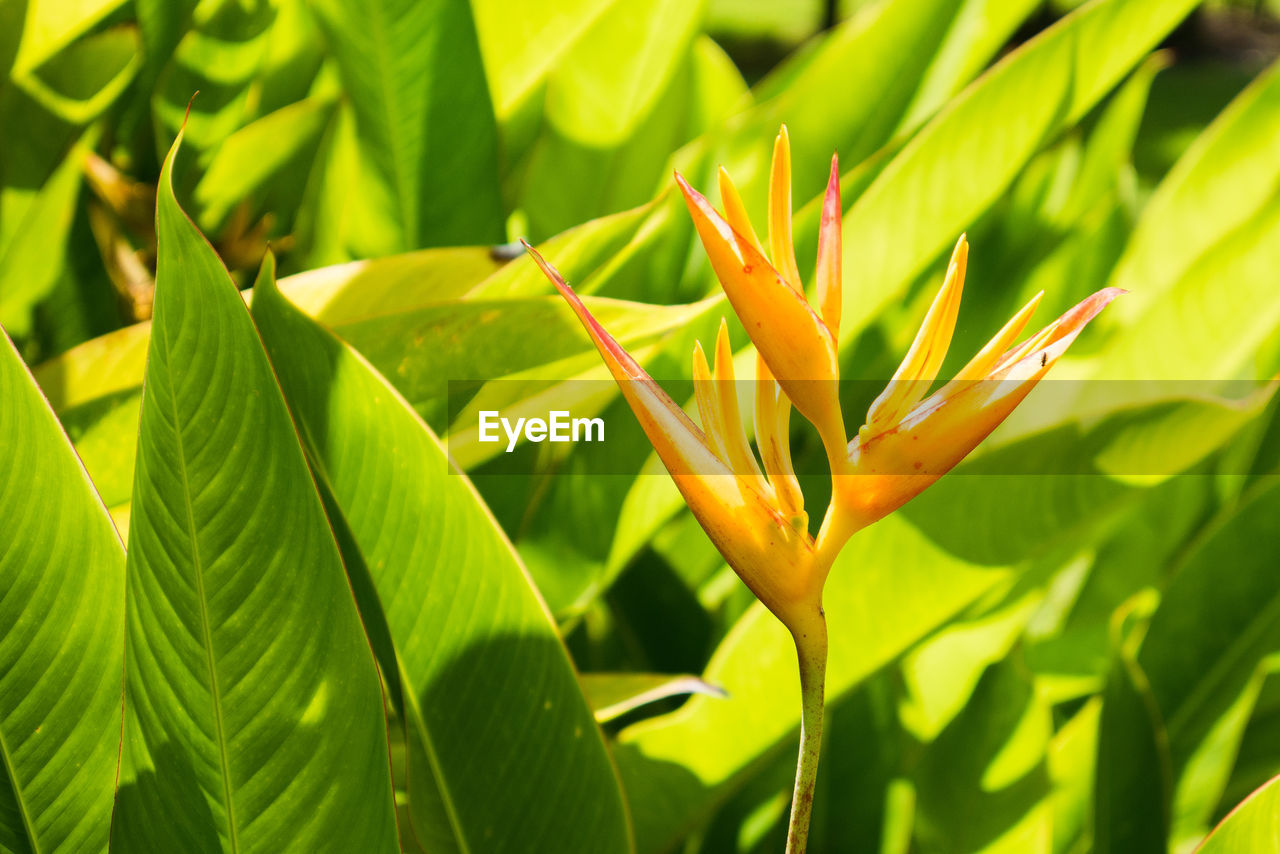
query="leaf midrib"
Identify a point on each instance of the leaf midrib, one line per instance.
(12, 774)
(214, 692)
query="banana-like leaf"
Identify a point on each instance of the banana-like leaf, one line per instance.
(252, 156)
(965, 158)
(30, 252)
(1252, 826)
(521, 49)
(426, 127)
(220, 56)
(981, 785)
(61, 633)
(1201, 652)
(51, 25)
(254, 715)
(504, 754)
(81, 81)
(1228, 176)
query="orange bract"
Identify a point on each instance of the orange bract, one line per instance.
(753, 511)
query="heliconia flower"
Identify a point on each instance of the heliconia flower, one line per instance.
(715, 471)
(755, 513)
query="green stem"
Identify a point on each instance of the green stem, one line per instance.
(811, 649)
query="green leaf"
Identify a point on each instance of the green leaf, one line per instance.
(1252, 826)
(521, 49)
(981, 785)
(253, 702)
(83, 80)
(61, 633)
(567, 179)
(30, 259)
(1259, 754)
(220, 57)
(161, 23)
(889, 588)
(1133, 781)
(1217, 330)
(612, 695)
(607, 81)
(1225, 180)
(964, 159)
(51, 25)
(255, 154)
(13, 18)
(908, 57)
(482, 340)
(424, 119)
(1201, 654)
(1216, 621)
(488, 686)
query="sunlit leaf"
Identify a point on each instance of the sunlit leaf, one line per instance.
(61, 633)
(252, 697)
(53, 24)
(1253, 826)
(488, 687)
(426, 128)
(963, 159)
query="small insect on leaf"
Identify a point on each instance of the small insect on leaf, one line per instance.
(1044, 359)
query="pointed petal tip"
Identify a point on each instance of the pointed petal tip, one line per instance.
(549, 271)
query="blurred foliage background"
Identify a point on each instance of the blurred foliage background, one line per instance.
(1087, 660)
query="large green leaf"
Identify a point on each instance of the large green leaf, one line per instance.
(82, 80)
(608, 79)
(219, 57)
(30, 252)
(965, 158)
(1217, 620)
(1253, 826)
(95, 386)
(61, 633)
(255, 154)
(907, 56)
(520, 50)
(51, 25)
(1200, 656)
(571, 175)
(504, 754)
(1228, 177)
(1132, 782)
(981, 785)
(254, 715)
(13, 18)
(424, 119)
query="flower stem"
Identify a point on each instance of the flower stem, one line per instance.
(811, 649)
